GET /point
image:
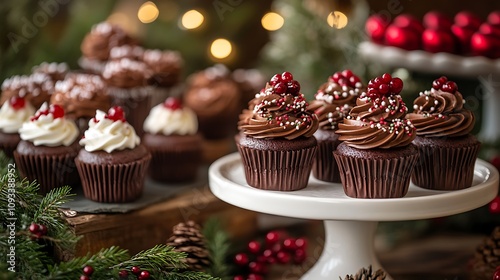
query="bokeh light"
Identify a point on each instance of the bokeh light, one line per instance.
(337, 19)
(221, 48)
(272, 21)
(192, 19)
(148, 12)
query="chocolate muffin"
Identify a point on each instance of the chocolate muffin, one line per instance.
(80, 95)
(333, 101)
(376, 158)
(35, 88)
(447, 150)
(56, 71)
(13, 114)
(276, 141)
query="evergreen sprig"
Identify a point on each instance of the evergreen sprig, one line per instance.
(156, 259)
(218, 246)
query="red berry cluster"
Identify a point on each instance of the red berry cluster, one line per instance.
(137, 271)
(17, 102)
(87, 272)
(284, 83)
(276, 249)
(172, 103)
(38, 230)
(496, 274)
(384, 85)
(443, 84)
(54, 109)
(346, 78)
(116, 113)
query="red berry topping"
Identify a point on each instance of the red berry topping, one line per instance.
(56, 111)
(280, 88)
(272, 237)
(293, 87)
(275, 79)
(345, 78)
(88, 270)
(144, 275)
(443, 84)
(116, 113)
(136, 270)
(286, 77)
(172, 103)
(17, 102)
(241, 259)
(347, 73)
(123, 273)
(384, 85)
(34, 228)
(254, 247)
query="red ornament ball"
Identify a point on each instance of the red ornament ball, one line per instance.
(462, 36)
(375, 28)
(437, 20)
(494, 18)
(436, 40)
(467, 19)
(404, 38)
(410, 22)
(136, 270)
(144, 275)
(485, 45)
(494, 206)
(88, 270)
(489, 29)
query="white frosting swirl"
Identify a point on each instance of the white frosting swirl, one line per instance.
(49, 131)
(167, 121)
(11, 120)
(108, 135)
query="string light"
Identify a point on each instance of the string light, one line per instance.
(221, 48)
(148, 12)
(272, 21)
(192, 19)
(337, 19)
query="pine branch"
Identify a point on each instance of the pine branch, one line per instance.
(218, 245)
(187, 275)
(155, 259)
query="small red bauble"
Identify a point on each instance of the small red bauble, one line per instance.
(404, 38)
(289, 244)
(489, 29)
(123, 273)
(280, 88)
(17, 102)
(88, 270)
(462, 37)
(144, 275)
(42, 229)
(437, 20)
(436, 40)
(172, 103)
(286, 77)
(410, 22)
(293, 87)
(494, 206)
(241, 259)
(56, 111)
(257, 267)
(283, 257)
(84, 277)
(272, 237)
(375, 28)
(467, 19)
(136, 270)
(494, 18)
(116, 113)
(301, 243)
(254, 247)
(485, 45)
(33, 228)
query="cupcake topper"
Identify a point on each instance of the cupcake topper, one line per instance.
(116, 113)
(285, 83)
(384, 86)
(17, 102)
(347, 78)
(173, 103)
(443, 84)
(54, 109)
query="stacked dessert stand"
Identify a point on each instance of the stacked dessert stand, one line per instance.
(349, 223)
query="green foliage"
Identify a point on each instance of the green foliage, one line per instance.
(218, 245)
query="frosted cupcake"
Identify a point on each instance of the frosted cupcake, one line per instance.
(377, 158)
(35, 88)
(276, 140)
(166, 67)
(56, 71)
(447, 150)
(13, 114)
(171, 135)
(48, 148)
(112, 164)
(332, 103)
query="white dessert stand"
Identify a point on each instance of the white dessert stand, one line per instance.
(350, 223)
(486, 70)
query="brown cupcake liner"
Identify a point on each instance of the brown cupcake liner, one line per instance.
(277, 170)
(116, 183)
(445, 168)
(375, 178)
(136, 103)
(171, 166)
(50, 171)
(8, 143)
(324, 165)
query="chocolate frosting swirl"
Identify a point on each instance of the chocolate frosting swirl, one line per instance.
(333, 102)
(279, 116)
(166, 67)
(103, 36)
(81, 95)
(439, 113)
(377, 123)
(126, 73)
(36, 88)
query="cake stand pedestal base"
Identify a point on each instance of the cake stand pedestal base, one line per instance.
(348, 247)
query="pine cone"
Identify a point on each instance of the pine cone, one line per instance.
(487, 257)
(367, 274)
(187, 238)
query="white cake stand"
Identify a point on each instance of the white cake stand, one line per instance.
(350, 223)
(486, 70)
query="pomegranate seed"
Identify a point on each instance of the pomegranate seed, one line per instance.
(116, 113)
(436, 84)
(17, 102)
(172, 103)
(383, 88)
(378, 81)
(56, 111)
(386, 78)
(275, 79)
(280, 88)
(286, 77)
(396, 85)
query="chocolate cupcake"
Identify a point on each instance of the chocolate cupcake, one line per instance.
(48, 149)
(126, 80)
(215, 98)
(35, 88)
(97, 44)
(377, 158)
(56, 71)
(13, 114)
(113, 164)
(276, 141)
(166, 67)
(447, 150)
(332, 103)
(171, 135)
(81, 95)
